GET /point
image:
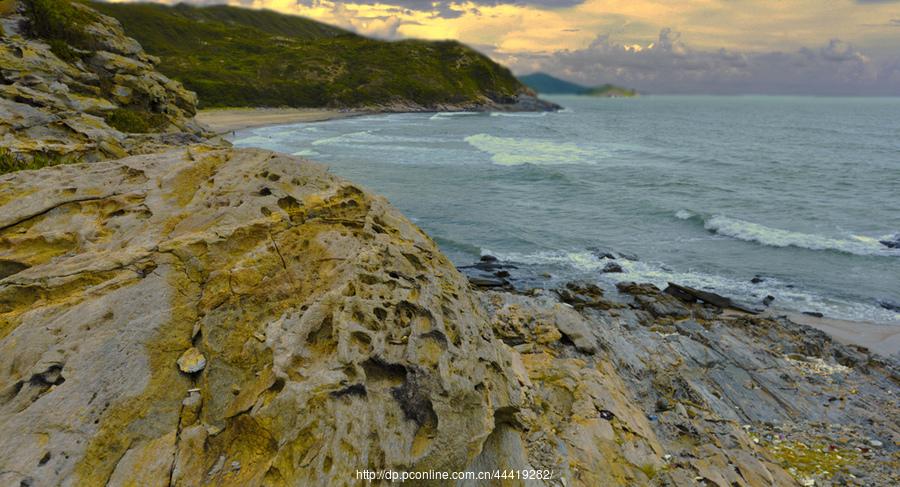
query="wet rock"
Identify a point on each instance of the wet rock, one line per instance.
(757, 280)
(768, 300)
(892, 242)
(814, 314)
(636, 289)
(711, 298)
(487, 282)
(889, 305)
(612, 267)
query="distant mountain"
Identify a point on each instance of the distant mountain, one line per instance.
(551, 85)
(235, 57)
(544, 83)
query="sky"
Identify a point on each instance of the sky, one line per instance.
(819, 47)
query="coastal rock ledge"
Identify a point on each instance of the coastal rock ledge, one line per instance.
(214, 316)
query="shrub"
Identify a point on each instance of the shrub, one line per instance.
(61, 24)
(136, 121)
(12, 162)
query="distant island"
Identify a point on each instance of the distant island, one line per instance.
(550, 85)
(236, 57)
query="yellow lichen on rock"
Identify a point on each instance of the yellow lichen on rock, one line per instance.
(335, 336)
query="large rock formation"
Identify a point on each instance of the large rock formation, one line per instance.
(92, 103)
(212, 316)
(335, 335)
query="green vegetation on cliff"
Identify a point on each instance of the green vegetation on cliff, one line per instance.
(11, 162)
(61, 24)
(238, 57)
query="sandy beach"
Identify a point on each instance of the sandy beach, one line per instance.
(882, 339)
(222, 120)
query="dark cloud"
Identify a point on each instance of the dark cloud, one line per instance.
(669, 65)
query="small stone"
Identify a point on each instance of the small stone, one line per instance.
(191, 361)
(876, 443)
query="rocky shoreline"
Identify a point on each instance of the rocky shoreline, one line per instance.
(186, 313)
(241, 317)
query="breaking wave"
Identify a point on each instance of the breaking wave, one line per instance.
(776, 237)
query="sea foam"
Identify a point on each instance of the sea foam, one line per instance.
(587, 265)
(510, 151)
(776, 237)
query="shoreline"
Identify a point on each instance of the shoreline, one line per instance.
(883, 339)
(225, 120)
(880, 338)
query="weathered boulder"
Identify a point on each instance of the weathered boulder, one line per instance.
(333, 334)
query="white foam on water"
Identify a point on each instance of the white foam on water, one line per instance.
(776, 237)
(306, 153)
(345, 138)
(510, 151)
(684, 215)
(579, 263)
(446, 115)
(252, 140)
(582, 261)
(520, 114)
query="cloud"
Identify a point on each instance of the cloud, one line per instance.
(670, 65)
(447, 9)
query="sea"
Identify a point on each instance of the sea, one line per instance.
(745, 196)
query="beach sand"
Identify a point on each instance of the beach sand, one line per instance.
(882, 339)
(223, 120)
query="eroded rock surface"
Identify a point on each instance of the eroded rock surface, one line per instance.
(63, 107)
(334, 336)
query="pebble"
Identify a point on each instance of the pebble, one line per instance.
(191, 361)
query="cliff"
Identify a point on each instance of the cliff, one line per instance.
(236, 57)
(74, 87)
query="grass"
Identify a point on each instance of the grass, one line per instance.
(61, 25)
(7, 7)
(236, 57)
(12, 162)
(136, 121)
